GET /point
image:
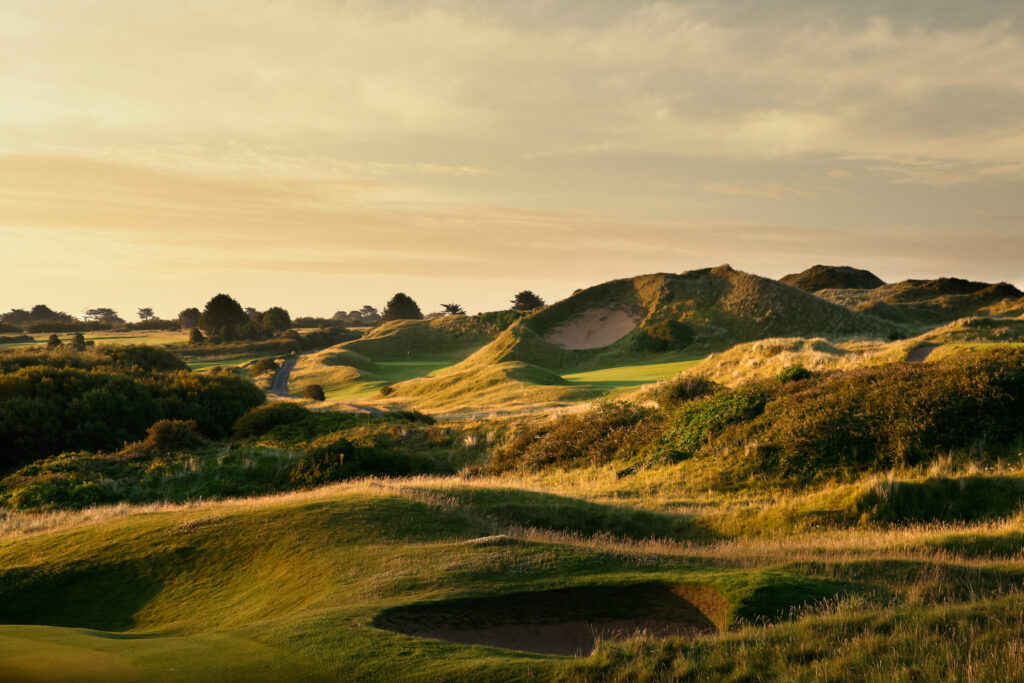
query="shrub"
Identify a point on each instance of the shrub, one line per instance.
(323, 465)
(263, 366)
(794, 373)
(262, 419)
(53, 342)
(387, 390)
(195, 336)
(613, 429)
(675, 392)
(695, 423)
(172, 435)
(314, 392)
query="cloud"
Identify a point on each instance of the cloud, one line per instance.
(760, 190)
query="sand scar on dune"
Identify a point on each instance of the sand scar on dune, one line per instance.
(594, 328)
(561, 621)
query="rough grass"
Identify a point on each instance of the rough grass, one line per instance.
(287, 587)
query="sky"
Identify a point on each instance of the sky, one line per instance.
(323, 154)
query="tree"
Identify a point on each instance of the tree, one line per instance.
(223, 317)
(189, 318)
(453, 309)
(401, 307)
(275, 319)
(526, 301)
(369, 315)
(146, 314)
(53, 342)
(195, 336)
(103, 315)
(78, 342)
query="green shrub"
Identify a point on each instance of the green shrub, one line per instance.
(675, 392)
(262, 419)
(314, 392)
(694, 424)
(611, 430)
(172, 435)
(794, 373)
(264, 366)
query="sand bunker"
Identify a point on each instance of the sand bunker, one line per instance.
(559, 622)
(594, 328)
(571, 638)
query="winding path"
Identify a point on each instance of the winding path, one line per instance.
(279, 387)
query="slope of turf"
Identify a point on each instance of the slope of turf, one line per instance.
(290, 587)
(833, 277)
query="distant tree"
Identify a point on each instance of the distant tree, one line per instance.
(188, 318)
(146, 314)
(401, 307)
(78, 342)
(314, 391)
(223, 317)
(275, 319)
(370, 315)
(195, 336)
(53, 342)
(103, 315)
(43, 313)
(453, 309)
(526, 301)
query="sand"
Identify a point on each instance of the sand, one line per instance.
(572, 638)
(594, 328)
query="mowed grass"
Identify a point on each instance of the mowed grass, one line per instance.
(385, 372)
(289, 587)
(626, 376)
(148, 337)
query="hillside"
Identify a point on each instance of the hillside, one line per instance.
(833, 277)
(921, 304)
(396, 351)
(638, 320)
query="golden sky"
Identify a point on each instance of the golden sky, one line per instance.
(322, 154)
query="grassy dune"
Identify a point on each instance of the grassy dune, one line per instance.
(291, 586)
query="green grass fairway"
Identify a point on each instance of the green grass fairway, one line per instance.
(205, 364)
(626, 376)
(148, 337)
(389, 372)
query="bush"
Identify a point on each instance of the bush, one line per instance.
(262, 419)
(263, 366)
(172, 435)
(696, 423)
(323, 465)
(611, 430)
(314, 392)
(675, 392)
(387, 390)
(195, 336)
(794, 373)
(47, 410)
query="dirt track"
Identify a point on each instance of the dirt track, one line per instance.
(279, 387)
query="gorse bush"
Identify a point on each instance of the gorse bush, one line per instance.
(612, 430)
(802, 429)
(794, 373)
(675, 392)
(314, 392)
(47, 410)
(172, 435)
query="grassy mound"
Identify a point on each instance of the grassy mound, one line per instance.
(833, 277)
(296, 587)
(918, 305)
